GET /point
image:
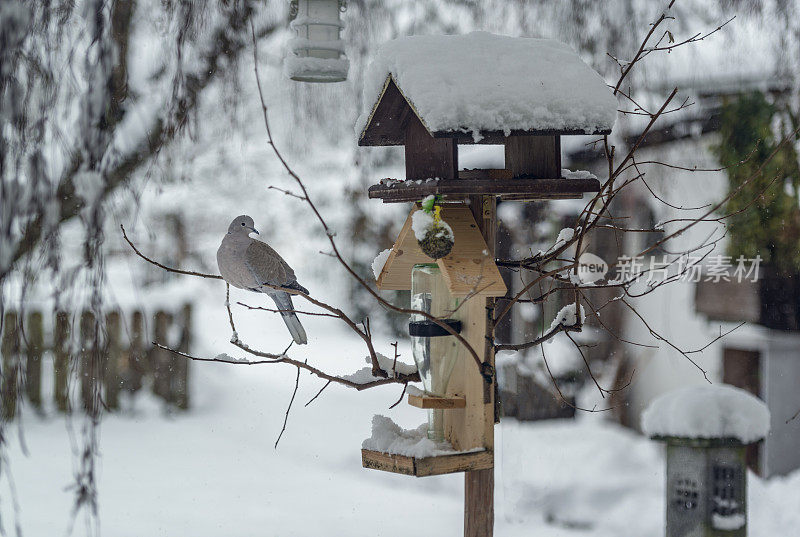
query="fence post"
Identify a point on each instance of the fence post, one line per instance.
(10, 350)
(33, 366)
(159, 358)
(180, 364)
(61, 361)
(88, 371)
(113, 357)
(136, 363)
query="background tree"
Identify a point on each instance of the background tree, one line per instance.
(88, 99)
(765, 219)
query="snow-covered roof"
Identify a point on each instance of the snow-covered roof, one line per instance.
(482, 82)
(713, 411)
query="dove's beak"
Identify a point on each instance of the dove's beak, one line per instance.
(254, 230)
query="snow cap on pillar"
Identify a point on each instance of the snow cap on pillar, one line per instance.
(707, 412)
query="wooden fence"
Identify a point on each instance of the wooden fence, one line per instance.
(525, 398)
(128, 361)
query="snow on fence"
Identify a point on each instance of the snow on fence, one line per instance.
(40, 361)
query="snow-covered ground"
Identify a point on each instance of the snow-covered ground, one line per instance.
(213, 471)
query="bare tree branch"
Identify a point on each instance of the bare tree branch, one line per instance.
(164, 267)
(228, 46)
(399, 378)
(288, 408)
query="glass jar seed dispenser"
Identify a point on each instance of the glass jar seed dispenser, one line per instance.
(435, 349)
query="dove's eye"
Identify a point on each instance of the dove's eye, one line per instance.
(242, 223)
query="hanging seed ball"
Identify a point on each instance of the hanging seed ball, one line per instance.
(438, 241)
(434, 236)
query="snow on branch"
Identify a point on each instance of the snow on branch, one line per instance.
(568, 316)
(391, 366)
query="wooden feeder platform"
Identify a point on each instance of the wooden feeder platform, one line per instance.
(426, 466)
(432, 401)
(483, 182)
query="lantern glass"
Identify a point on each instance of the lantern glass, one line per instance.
(435, 354)
(316, 54)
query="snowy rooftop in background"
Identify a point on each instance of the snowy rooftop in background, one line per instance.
(486, 82)
(717, 411)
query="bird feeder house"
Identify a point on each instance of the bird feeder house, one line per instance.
(316, 53)
(706, 430)
(454, 289)
(431, 94)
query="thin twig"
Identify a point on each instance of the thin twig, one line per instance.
(405, 387)
(318, 393)
(168, 269)
(234, 335)
(300, 312)
(793, 417)
(288, 408)
(278, 358)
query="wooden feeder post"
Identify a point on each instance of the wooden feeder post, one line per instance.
(411, 117)
(479, 484)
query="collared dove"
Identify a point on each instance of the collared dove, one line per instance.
(247, 263)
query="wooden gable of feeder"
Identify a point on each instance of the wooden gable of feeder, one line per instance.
(406, 111)
(468, 269)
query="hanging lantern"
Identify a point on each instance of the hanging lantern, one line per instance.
(435, 349)
(316, 53)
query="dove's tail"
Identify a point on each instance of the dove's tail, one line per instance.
(284, 302)
(295, 328)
